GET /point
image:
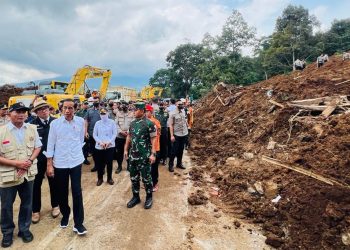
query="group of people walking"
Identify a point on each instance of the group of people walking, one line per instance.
(142, 134)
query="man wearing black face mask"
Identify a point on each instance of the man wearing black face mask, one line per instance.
(178, 132)
(123, 119)
(91, 117)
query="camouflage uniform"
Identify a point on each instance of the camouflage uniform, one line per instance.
(141, 131)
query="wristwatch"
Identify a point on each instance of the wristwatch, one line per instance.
(31, 160)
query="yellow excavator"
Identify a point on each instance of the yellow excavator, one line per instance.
(150, 92)
(55, 91)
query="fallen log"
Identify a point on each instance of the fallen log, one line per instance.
(309, 173)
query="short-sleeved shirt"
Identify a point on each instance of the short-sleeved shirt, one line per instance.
(141, 131)
(179, 121)
(92, 116)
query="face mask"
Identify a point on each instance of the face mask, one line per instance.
(110, 104)
(180, 107)
(96, 104)
(104, 117)
(161, 108)
(125, 108)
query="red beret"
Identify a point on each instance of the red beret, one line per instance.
(149, 108)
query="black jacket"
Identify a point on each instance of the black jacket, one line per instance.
(43, 131)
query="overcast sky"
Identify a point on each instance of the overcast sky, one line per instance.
(50, 38)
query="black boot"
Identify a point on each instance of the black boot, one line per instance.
(134, 201)
(118, 170)
(171, 166)
(148, 202)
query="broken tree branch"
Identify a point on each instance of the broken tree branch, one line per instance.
(276, 103)
(305, 172)
(342, 82)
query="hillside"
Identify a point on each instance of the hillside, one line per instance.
(245, 139)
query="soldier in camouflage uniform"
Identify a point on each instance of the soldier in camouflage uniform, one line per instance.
(141, 143)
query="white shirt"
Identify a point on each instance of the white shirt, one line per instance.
(65, 142)
(104, 132)
(19, 134)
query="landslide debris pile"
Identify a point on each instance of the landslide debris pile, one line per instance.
(6, 91)
(252, 141)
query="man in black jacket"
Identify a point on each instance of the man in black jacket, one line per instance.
(43, 120)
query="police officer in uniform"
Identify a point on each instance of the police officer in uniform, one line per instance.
(42, 122)
(141, 142)
(19, 147)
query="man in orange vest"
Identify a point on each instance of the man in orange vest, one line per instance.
(154, 166)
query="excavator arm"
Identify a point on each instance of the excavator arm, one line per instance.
(77, 83)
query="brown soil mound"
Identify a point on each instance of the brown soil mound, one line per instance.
(310, 214)
(6, 91)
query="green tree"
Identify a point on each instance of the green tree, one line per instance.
(337, 39)
(184, 61)
(235, 34)
(292, 39)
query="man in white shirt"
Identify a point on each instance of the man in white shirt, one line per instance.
(105, 132)
(64, 159)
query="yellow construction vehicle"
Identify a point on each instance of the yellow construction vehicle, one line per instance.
(150, 92)
(55, 91)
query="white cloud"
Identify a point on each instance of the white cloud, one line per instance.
(131, 38)
(14, 73)
(321, 13)
(262, 14)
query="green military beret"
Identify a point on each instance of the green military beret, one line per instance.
(140, 105)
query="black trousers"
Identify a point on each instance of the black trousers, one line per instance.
(119, 146)
(154, 170)
(42, 164)
(92, 149)
(170, 144)
(177, 150)
(188, 141)
(62, 179)
(104, 157)
(163, 153)
(8, 196)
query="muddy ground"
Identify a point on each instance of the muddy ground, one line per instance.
(171, 223)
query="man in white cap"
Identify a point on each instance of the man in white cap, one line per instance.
(42, 122)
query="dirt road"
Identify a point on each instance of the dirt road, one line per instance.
(170, 224)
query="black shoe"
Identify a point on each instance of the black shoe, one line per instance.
(64, 222)
(134, 201)
(171, 168)
(86, 162)
(181, 166)
(118, 170)
(148, 202)
(7, 241)
(94, 169)
(110, 182)
(80, 230)
(99, 182)
(26, 237)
